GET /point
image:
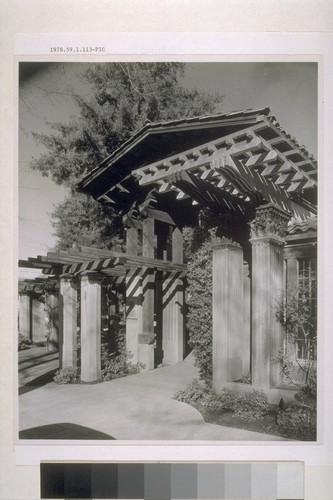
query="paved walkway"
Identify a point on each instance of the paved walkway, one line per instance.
(136, 407)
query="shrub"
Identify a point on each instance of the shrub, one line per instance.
(193, 393)
(119, 365)
(298, 419)
(251, 405)
(40, 343)
(67, 375)
(24, 343)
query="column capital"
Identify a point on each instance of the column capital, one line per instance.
(270, 223)
(51, 285)
(91, 276)
(67, 277)
(225, 244)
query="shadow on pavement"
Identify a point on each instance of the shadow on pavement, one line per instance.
(62, 430)
(37, 382)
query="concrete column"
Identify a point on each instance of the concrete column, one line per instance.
(38, 321)
(25, 315)
(90, 326)
(68, 300)
(133, 312)
(53, 339)
(267, 237)
(147, 334)
(227, 312)
(246, 321)
(173, 318)
(173, 306)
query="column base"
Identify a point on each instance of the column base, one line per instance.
(226, 371)
(146, 355)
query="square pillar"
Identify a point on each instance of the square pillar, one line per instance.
(133, 312)
(90, 326)
(173, 305)
(53, 338)
(227, 312)
(246, 349)
(25, 314)
(173, 318)
(68, 303)
(147, 334)
(268, 231)
(38, 320)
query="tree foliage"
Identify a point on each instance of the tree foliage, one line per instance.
(80, 220)
(123, 96)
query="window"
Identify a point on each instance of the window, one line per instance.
(307, 285)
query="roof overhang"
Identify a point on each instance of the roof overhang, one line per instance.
(245, 156)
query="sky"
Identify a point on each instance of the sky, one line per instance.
(288, 89)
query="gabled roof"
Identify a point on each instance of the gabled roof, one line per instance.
(259, 149)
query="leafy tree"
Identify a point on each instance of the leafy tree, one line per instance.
(82, 220)
(123, 96)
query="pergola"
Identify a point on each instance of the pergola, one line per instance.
(252, 178)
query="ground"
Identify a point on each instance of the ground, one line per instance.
(137, 407)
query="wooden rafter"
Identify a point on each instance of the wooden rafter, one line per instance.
(106, 262)
(272, 166)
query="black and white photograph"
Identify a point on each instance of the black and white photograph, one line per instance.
(167, 246)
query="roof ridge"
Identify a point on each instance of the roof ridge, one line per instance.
(151, 125)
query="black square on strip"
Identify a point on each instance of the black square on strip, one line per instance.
(78, 480)
(52, 481)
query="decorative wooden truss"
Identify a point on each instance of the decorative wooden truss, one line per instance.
(252, 167)
(235, 161)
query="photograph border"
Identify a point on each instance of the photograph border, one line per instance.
(30, 452)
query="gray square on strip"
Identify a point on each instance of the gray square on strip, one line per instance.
(237, 481)
(264, 481)
(157, 481)
(183, 481)
(290, 480)
(210, 481)
(130, 481)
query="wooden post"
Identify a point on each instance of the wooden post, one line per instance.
(131, 241)
(267, 237)
(90, 326)
(68, 302)
(25, 314)
(173, 306)
(227, 312)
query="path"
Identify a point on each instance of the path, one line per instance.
(138, 407)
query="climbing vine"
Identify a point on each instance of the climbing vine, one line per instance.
(200, 317)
